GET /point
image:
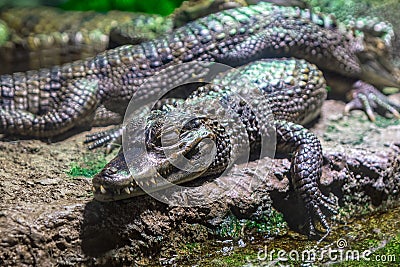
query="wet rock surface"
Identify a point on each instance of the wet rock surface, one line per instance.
(49, 218)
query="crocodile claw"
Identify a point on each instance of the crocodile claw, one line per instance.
(368, 98)
(110, 139)
(314, 208)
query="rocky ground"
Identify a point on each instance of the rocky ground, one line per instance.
(48, 217)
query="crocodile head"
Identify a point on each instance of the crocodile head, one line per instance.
(169, 155)
(376, 65)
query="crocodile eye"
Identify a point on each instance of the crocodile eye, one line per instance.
(170, 137)
(192, 124)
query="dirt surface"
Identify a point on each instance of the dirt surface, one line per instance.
(49, 218)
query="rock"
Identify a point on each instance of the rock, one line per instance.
(43, 225)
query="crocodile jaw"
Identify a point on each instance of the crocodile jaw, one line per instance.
(381, 74)
(376, 63)
(115, 181)
(106, 188)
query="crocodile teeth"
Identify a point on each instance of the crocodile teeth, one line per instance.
(126, 189)
(102, 189)
(153, 181)
(94, 189)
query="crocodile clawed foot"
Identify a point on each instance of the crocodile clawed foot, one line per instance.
(109, 139)
(316, 216)
(368, 98)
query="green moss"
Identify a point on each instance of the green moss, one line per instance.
(231, 227)
(383, 122)
(328, 88)
(4, 34)
(238, 259)
(389, 255)
(362, 233)
(271, 223)
(192, 246)
(89, 166)
(393, 247)
(332, 129)
(359, 139)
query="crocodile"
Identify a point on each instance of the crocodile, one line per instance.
(33, 38)
(280, 94)
(50, 36)
(49, 102)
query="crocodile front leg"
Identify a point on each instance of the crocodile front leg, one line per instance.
(367, 98)
(306, 170)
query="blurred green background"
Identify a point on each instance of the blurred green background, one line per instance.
(163, 7)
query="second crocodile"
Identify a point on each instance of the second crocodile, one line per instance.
(49, 102)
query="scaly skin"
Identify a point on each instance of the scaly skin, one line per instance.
(41, 37)
(48, 102)
(293, 90)
(362, 15)
(44, 36)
